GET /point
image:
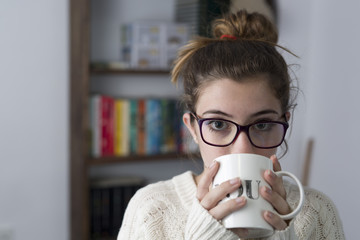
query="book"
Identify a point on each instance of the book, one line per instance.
(153, 126)
(107, 126)
(170, 124)
(121, 142)
(133, 109)
(141, 127)
(125, 128)
(118, 127)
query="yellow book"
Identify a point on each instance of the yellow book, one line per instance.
(125, 143)
(118, 127)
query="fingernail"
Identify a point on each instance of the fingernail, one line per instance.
(270, 174)
(234, 181)
(269, 214)
(239, 199)
(267, 190)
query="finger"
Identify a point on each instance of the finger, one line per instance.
(224, 209)
(212, 198)
(206, 179)
(276, 163)
(275, 182)
(275, 200)
(274, 220)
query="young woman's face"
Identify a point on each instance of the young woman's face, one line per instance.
(243, 103)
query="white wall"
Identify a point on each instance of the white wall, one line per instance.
(326, 35)
(333, 111)
(34, 119)
(34, 108)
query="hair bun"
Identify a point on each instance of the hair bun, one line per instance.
(244, 25)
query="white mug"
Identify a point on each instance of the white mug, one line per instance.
(250, 169)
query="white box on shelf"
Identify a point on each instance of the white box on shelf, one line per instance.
(152, 45)
(141, 44)
(176, 36)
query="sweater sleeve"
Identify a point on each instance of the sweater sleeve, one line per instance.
(202, 226)
(319, 219)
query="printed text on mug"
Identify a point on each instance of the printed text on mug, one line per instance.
(251, 189)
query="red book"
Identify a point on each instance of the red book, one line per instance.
(141, 127)
(107, 125)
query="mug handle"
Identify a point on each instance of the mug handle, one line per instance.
(301, 190)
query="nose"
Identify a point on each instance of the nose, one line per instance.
(242, 144)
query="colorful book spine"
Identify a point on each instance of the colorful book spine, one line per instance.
(125, 128)
(119, 134)
(141, 127)
(133, 108)
(107, 126)
(153, 126)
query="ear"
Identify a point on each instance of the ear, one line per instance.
(190, 127)
(287, 115)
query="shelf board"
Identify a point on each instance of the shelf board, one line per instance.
(135, 158)
(129, 71)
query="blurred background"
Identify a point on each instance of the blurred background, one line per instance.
(35, 105)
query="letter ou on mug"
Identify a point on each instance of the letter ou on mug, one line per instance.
(250, 169)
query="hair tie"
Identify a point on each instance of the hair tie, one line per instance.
(228, 36)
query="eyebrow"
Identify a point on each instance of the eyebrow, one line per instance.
(218, 112)
(265, 112)
(257, 114)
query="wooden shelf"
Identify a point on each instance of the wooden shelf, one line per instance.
(80, 74)
(135, 158)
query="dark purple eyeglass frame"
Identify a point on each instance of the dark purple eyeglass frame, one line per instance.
(240, 128)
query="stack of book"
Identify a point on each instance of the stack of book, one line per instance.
(122, 127)
(108, 201)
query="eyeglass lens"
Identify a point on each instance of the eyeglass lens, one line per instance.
(263, 134)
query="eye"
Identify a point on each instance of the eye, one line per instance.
(263, 126)
(218, 125)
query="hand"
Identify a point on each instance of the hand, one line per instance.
(276, 196)
(209, 197)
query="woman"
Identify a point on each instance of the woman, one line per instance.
(236, 78)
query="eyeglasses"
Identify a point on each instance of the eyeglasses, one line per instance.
(221, 133)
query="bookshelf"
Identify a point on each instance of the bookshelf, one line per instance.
(80, 162)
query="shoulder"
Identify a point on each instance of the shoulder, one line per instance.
(161, 195)
(168, 189)
(156, 206)
(155, 192)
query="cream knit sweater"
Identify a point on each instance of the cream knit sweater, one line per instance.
(170, 210)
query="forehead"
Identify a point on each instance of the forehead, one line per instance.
(239, 99)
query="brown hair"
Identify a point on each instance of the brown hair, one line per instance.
(244, 46)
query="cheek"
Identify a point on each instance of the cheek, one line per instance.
(209, 153)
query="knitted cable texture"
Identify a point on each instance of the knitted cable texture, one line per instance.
(170, 210)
